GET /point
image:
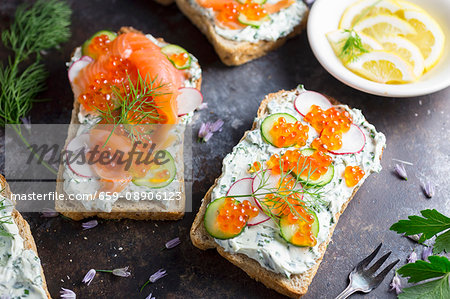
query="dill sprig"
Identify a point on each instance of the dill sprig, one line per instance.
(36, 28)
(352, 47)
(137, 106)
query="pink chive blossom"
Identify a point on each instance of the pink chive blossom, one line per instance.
(150, 296)
(396, 284)
(412, 257)
(427, 252)
(208, 129)
(428, 189)
(49, 213)
(67, 294)
(89, 277)
(401, 171)
(415, 237)
(89, 224)
(26, 121)
(157, 275)
(121, 272)
(173, 243)
(202, 107)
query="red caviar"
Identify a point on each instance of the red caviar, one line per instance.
(312, 166)
(99, 45)
(286, 134)
(256, 166)
(179, 59)
(304, 220)
(331, 124)
(233, 215)
(229, 13)
(352, 175)
(279, 206)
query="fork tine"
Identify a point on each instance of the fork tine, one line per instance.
(362, 264)
(378, 263)
(379, 278)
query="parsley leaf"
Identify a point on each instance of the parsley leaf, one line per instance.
(436, 289)
(421, 270)
(442, 243)
(429, 225)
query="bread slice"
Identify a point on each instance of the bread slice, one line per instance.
(122, 208)
(24, 229)
(298, 284)
(234, 52)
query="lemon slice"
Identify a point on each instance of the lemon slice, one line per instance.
(408, 6)
(366, 8)
(338, 38)
(383, 67)
(383, 25)
(429, 38)
(406, 50)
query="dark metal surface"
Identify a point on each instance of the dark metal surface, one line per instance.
(417, 130)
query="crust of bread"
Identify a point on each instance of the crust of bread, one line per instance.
(71, 211)
(24, 231)
(234, 52)
(293, 287)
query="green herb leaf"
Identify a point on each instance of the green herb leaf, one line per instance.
(353, 47)
(442, 243)
(429, 225)
(421, 270)
(436, 289)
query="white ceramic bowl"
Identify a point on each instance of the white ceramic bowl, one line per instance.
(325, 16)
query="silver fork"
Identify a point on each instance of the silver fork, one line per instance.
(365, 280)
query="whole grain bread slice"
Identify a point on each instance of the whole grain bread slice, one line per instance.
(234, 52)
(295, 286)
(24, 230)
(122, 208)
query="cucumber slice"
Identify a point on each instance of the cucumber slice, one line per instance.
(85, 48)
(174, 49)
(288, 230)
(323, 179)
(210, 220)
(148, 179)
(243, 19)
(268, 122)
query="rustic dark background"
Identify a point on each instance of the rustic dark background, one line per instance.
(417, 131)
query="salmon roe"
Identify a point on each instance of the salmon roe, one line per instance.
(256, 166)
(352, 175)
(228, 15)
(99, 45)
(331, 124)
(99, 92)
(304, 235)
(179, 59)
(313, 166)
(280, 205)
(233, 215)
(286, 134)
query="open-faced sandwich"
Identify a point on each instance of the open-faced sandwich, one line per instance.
(21, 274)
(133, 96)
(243, 30)
(283, 187)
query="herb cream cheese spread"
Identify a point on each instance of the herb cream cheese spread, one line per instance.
(20, 268)
(263, 242)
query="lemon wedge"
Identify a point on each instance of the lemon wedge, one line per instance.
(383, 25)
(338, 38)
(406, 50)
(383, 67)
(429, 39)
(408, 6)
(366, 8)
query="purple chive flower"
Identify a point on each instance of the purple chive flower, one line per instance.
(122, 272)
(412, 257)
(401, 171)
(427, 252)
(157, 275)
(173, 243)
(26, 121)
(428, 189)
(202, 107)
(89, 224)
(67, 294)
(49, 213)
(89, 277)
(207, 129)
(396, 284)
(150, 296)
(415, 237)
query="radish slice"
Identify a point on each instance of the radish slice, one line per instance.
(244, 187)
(188, 100)
(306, 99)
(76, 156)
(352, 142)
(76, 67)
